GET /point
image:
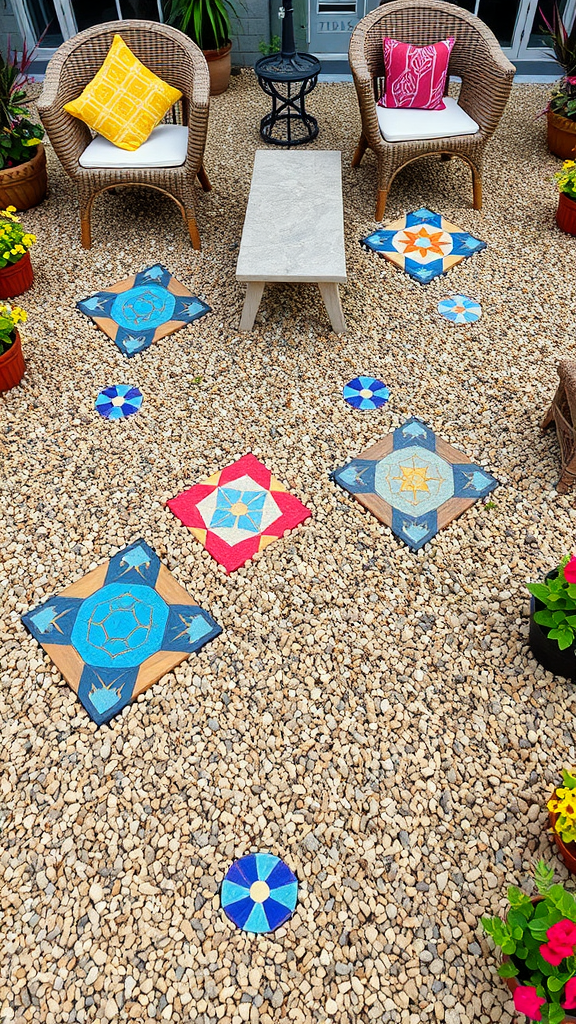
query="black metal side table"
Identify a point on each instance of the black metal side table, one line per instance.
(288, 80)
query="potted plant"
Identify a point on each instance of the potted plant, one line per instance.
(16, 274)
(562, 809)
(23, 179)
(561, 111)
(207, 22)
(566, 212)
(538, 939)
(552, 633)
(12, 364)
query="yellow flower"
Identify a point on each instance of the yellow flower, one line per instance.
(567, 164)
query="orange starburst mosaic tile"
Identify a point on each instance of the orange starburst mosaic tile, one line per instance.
(424, 244)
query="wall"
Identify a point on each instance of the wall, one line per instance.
(8, 27)
(251, 25)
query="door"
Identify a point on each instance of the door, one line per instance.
(330, 24)
(53, 21)
(533, 43)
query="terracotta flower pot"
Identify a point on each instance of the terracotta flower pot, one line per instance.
(219, 66)
(567, 850)
(12, 365)
(566, 214)
(561, 136)
(25, 185)
(16, 278)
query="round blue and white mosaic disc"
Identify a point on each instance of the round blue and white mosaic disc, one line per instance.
(459, 309)
(366, 393)
(118, 401)
(259, 892)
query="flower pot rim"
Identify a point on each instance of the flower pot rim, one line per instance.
(14, 341)
(554, 116)
(26, 163)
(216, 54)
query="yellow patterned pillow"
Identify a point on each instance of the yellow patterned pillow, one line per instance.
(124, 101)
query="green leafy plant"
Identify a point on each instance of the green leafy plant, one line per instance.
(566, 179)
(563, 806)
(558, 595)
(207, 22)
(563, 44)
(539, 938)
(19, 136)
(268, 48)
(10, 317)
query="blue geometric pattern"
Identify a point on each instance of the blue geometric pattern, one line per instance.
(226, 514)
(415, 482)
(366, 393)
(424, 244)
(151, 307)
(259, 892)
(112, 635)
(459, 309)
(118, 401)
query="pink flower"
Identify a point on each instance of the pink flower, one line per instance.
(571, 79)
(552, 956)
(527, 1000)
(561, 941)
(570, 569)
(570, 995)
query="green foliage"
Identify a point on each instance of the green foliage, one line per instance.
(10, 317)
(559, 612)
(566, 181)
(561, 39)
(18, 135)
(272, 47)
(524, 931)
(207, 22)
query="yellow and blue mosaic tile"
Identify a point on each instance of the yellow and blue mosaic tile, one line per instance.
(143, 308)
(119, 629)
(424, 244)
(415, 482)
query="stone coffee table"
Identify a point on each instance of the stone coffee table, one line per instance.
(294, 229)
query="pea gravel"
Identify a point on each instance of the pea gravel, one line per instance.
(372, 716)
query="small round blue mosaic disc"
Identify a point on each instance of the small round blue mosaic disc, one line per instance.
(459, 309)
(259, 892)
(118, 401)
(366, 393)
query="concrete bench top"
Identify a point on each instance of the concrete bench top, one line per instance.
(294, 226)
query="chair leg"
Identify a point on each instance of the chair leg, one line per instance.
(477, 188)
(568, 478)
(381, 203)
(193, 229)
(548, 419)
(85, 227)
(359, 151)
(204, 179)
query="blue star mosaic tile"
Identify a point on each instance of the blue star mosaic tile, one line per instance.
(424, 244)
(118, 401)
(415, 482)
(459, 309)
(143, 308)
(366, 393)
(259, 892)
(119, 629)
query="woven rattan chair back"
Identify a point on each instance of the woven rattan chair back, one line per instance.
(169, 54)
(476, 59)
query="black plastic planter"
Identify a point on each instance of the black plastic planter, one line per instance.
(547, 652)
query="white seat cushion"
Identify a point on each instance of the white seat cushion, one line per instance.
(398, 124)
(166, 146)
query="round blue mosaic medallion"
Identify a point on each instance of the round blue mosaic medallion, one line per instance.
(459, 309)
(143, 308)
(366, 393)
(118, 401)
(259, 892)
(120, 625)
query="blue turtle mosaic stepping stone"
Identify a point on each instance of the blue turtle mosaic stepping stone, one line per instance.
(415, 482)
(143, 308)
(424, 244)
(259, 892)
(366, 393)
(118, 401)
(459, 309)
(119, 629)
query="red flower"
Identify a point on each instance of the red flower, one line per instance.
(571, 79)
(570, 995)
(561, 941)
(527, 1000)
(570, 571)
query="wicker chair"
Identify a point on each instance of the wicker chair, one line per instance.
(562, 413)
(476, 58)
(169, 54)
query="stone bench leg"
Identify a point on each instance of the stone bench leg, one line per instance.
(254, 291)
(331, 296)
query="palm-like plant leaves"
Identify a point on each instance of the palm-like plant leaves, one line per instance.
(206, 21)
(562, 40)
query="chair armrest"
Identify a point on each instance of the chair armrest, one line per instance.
(364, 82)
(69, 136)
(486, 86)
(198, 97)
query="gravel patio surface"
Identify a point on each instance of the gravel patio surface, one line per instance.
(371, 715)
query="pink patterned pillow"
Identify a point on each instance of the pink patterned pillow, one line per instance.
(415, 75)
